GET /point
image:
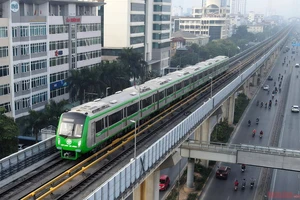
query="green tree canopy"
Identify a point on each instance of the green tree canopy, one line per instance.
(9, 132)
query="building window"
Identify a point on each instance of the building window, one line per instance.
(24, 49)
(38, 81)
(88, 55)
(3, 52)
(16, 69)
(14, 32)
(25, 67)
(25, 85)
(137, 18)
(4, 70)
(159, 8)
(111, 52)
(24, 31)
(39, 98)
(161, 26)
(38, 47)
(161, 36)
(25, 102)
(39, 64)
(58, 76)
(58, 92)
(137, 29)
(59, 60)
(62, 44)
(88, 27)
(137, 40)
(166, 1)
(6, 106)
(3, 32)
(17, 105)
(58, 29)
(137, 7)
(157, 45)
(88, 41)
(16, 87)
(38, 30)
(4, 89)
(15, 50)
(161, 17)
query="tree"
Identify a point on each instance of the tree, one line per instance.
(134, 61)
(53, 110)
(9, 132)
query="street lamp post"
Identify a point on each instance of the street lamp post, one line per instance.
(134, 155)
(106, 94)
(211, 78)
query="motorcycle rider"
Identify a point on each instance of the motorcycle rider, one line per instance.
(243, 167)
(257, 120)
(244, 183)
(261, 133)
(276, 102)
(261, 104)
(253, 132)
(252, 182)
(236, 184)
(249, 122)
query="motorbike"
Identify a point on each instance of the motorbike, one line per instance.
(235, 188)
(243, 186)
(261, 104)
(251, 185)
(253, 134)
(260, 136)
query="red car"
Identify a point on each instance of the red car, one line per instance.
(223, 172)
(164, 182)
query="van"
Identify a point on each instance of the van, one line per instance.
(297, 65)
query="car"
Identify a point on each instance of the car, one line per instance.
(223, 172)
(270, 78)
(297, 65)
(266, 87)
(164, 182)
(295, 108)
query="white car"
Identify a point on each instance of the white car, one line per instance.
(266, 87)
(295, 108)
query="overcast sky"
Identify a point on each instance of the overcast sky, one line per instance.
(280, 7)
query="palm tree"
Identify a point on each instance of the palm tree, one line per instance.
(35, 122)
(134, 61)
(53, 110)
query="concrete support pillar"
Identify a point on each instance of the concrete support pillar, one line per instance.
(190, 176)
(197, 133)
(246, 88)
(225, 109)
(149, 189)
(205, 137)
(231, 109)
(255, 80)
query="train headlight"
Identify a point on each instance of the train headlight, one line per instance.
(79, 143)
(58, 140)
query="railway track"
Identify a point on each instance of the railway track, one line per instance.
(76, 179)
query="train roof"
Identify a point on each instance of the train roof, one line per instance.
(129, 94)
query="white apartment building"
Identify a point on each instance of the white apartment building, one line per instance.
(143, 25)
(255, 28)
(40, 41)
(212, 20)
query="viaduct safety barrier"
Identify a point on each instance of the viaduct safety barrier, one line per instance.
(11, 166)
(122, 183)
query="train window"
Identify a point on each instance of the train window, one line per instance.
(147, 102)
(155, 97)
(161, 95)
(169, 91)
(194, 79)
(178, 86)
(200, 76)
(132, 109)
(99, 125)
(186, 82)
(114, 118)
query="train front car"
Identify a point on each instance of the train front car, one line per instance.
(70, 136)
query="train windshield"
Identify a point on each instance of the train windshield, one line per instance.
(72, 125)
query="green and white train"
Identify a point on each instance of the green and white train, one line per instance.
(89, 125)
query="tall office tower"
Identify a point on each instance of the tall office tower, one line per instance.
(40, 42)
(238, 7)
(143, 25)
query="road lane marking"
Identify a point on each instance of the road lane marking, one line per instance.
(228, 197)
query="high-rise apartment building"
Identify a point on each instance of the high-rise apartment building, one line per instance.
(143, 25)
(40, 41)
(238, 7)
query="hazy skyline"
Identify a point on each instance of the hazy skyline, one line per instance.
(279, 7)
